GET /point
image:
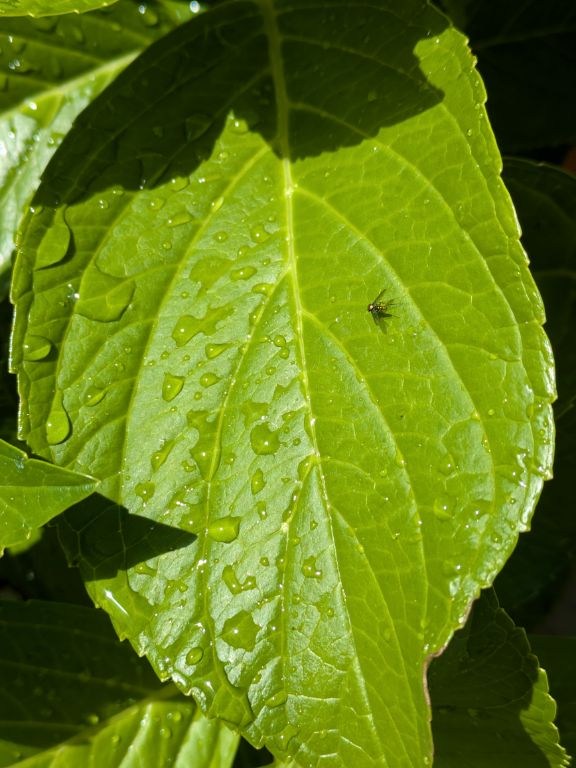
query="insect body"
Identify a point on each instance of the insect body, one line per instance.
(379, 309)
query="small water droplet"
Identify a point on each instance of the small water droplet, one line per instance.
(58, 425)
(208, 379)
(443, 509)
(277, 699)
(258, 233)
(214, 350)
(179, 218)
(244, 273)
(194, 656)
(159, 457)
(263, 440)
(286, 735)
(258, 482)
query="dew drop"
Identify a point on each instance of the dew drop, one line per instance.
(36, 348)
(171, 386)
(54, 245)
(224, 529)
(240, 631)
(244, 273)
(185, 329)
(263, 440)
(58, 425)
(179, 218)
(257, 482)
(309, 569)
(194, 656)
(159, 457)
(259, 234)
(93, 396)
(233, 582)
(214, 350)
(209, 379)
(145, 491)
(277, 699)
(442, 509)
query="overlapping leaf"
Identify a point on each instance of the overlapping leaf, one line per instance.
(49, 7)
(50, 69)
(32, 492)
(490, 699)
(95, 702)
(200, 257)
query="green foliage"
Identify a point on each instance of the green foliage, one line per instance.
(297, 505)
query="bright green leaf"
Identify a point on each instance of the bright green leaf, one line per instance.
(490, 700)
(50, 69)
(245, 189)
(545, 200)
(50, 7)
(72, 695)
(32, 492)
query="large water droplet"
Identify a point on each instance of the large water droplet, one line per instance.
(243, 273)
(194, 656)
(94, 395)
(54, 245)
(233, 582)
(171, 386)
(208, 379)
(159, 457)
(310, 570)
(214, 350)
(278, 698)
(224, 529)
(36, 348)
(145, 491)
(263, 440)
(240, 631)
(104, 297)
(58, 423)
(185, 329)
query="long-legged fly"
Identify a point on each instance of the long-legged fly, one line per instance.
(379, 308)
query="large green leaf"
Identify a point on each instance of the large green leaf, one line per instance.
(201, 255)
(73, 696)
(490, 699)
(545, 199)
(33, 492)
(51, 69)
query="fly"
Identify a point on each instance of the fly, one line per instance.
(379, 308)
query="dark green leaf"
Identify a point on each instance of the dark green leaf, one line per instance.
(490, 700)
(72, 695)
(49, 7)
(558, 656)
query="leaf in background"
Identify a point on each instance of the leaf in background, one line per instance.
(558, 656)
(490, 700)
(73, 695)
(50, 69)
(545, 199)
(201, 256)
(33, 492)
(527, 58)
(49, 7)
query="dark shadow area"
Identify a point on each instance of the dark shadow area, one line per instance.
(248, 756)
(534, 576)
(103, 538)
(478, 689)
(345, 75)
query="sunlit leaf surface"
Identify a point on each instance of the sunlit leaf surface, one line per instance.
(200, 257)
